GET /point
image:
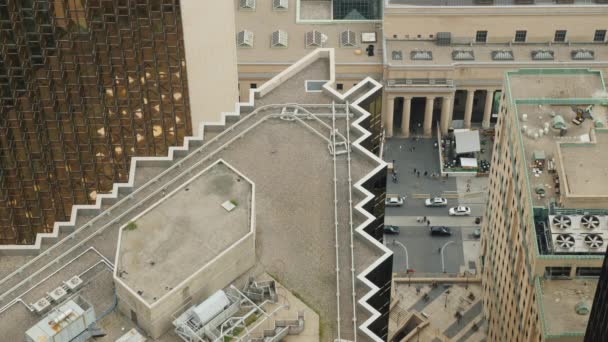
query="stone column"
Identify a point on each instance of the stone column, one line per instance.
(468, 108)
(405, 118)
(487, 111)
(428, 116)
(388, 119)
(447, 106)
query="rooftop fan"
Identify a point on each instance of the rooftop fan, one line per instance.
(562, 221)
(594, 241)
(565, 241)
(590, 221)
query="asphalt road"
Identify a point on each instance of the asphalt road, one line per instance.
(424, 158)
(423, 250)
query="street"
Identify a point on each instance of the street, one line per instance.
(423, 250)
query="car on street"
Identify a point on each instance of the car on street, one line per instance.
(388, 229)
(436, 202)
(441, 231)
(393, 200)
(460, 211)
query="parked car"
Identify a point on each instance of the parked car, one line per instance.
(388, 229)
(460, 211)
(394, 200)
(441, 231)
(436, 202)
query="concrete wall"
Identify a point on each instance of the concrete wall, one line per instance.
(209, 39)
(218, 274)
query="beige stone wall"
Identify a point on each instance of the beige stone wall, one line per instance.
(464, 22)
(158, 318)
(209, 36)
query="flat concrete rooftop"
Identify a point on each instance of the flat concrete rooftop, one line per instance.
(586, 167)
(543, 96)
(184, 231)
(558, 301)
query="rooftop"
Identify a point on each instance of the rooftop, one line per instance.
(584, 157)
(558, 301)
(184, 231)
(542, 98)
(486, 53)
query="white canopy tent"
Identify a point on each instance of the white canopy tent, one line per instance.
(467, 141)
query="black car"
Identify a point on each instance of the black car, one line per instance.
(391, 229)
(441, 231)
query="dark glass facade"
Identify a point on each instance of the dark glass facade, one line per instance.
(597, 328)
(84, 86)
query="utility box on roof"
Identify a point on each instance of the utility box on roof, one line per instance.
(63, 324)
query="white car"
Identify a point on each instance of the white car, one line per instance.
(436, 202)
(394, 200)
(460, 211)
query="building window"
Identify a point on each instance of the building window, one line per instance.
(481, 36)
(253, 85)
(560, 36)
(520, 36)
(599, 36)
(588, 271)
(340, 86)
(557, 272)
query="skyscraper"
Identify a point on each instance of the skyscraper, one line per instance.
(545, 227)
(597, 328)
(85, 85)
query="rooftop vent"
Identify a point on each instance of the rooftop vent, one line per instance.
(565, 241)
(348, 38)
(74, 283)
(280, 4)
(590, 222)
(421, 55)
(594, 241)
(502, 55)
(279, 38)
(41, 305)
(315, 39)
(582, 54)
(248, 4)
(542, 55)
(463, 55)
(444, 38)
(58, 294)
(397, 55)
(244, 39)
(562, 222)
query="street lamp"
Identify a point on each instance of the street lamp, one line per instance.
(407, 262)
(442, 260)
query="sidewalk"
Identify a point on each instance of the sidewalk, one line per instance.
(451, 221)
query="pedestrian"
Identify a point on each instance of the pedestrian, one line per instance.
(393, 162)
(428, 223)
(418, 173)
(413, 148)
(414, 170)
(424, 219)
(426, 173)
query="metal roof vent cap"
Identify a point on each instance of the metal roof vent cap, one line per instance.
(582, 308)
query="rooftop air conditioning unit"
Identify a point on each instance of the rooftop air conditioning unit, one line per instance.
(57, 294)
(41, 306)
(565, 241)
(594, 241)
(590, 222)
(562, 222)
(74, 283)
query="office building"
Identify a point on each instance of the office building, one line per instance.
(544, 231)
